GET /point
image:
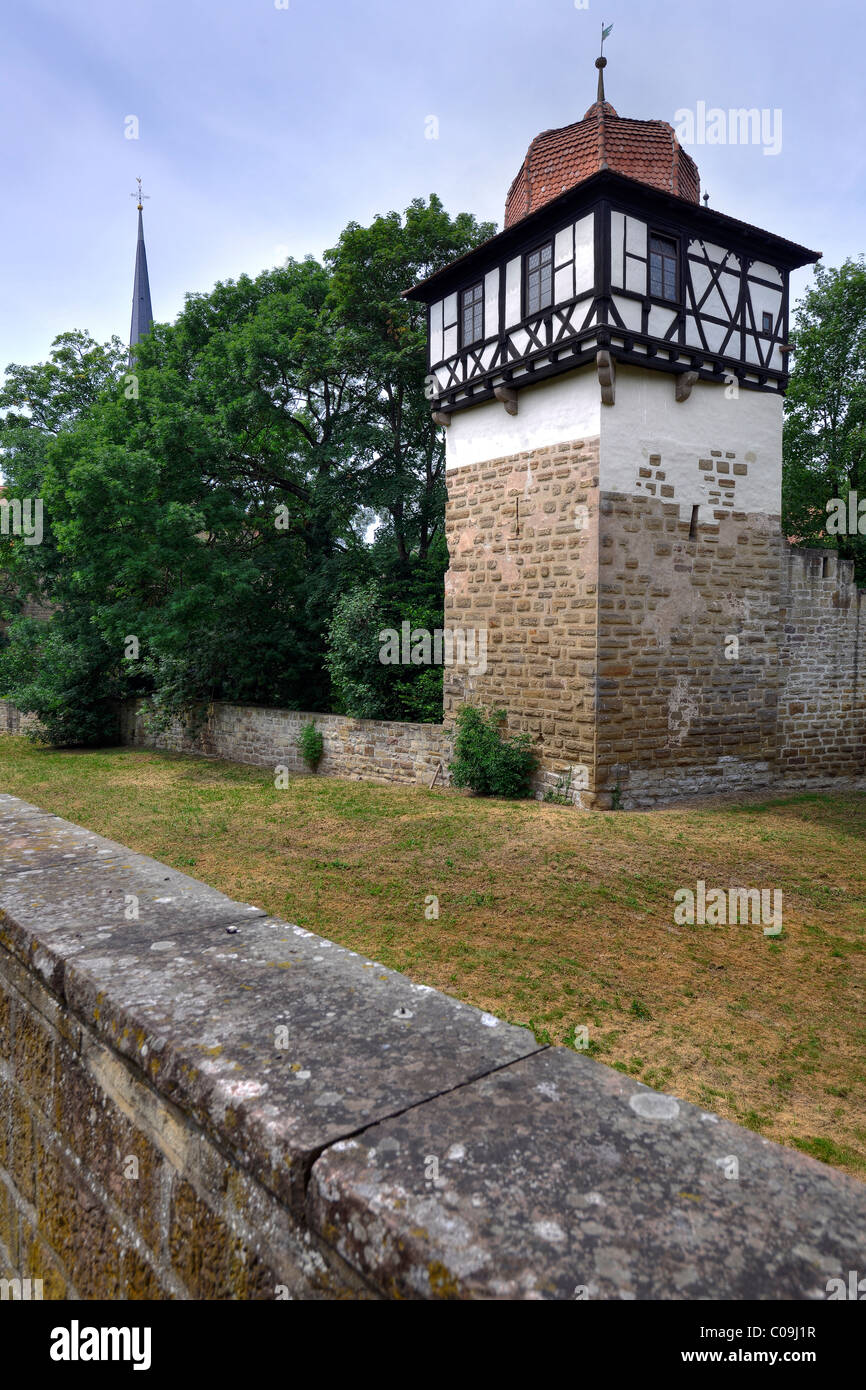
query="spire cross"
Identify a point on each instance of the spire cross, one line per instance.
(139, 195)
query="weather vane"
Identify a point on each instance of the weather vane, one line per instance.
(601, 63)
(139, 195)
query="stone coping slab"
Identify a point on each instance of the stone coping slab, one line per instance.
(61, 878)
(561, 1178)
(438, 1150)
(197, 1007)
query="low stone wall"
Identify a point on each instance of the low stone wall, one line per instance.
(361, 749)
(822, 695)
(368, 749)
(201, 1101)
(12, 721)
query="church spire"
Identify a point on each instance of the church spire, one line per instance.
(142, 313)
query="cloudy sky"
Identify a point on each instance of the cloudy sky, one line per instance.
(264, 126)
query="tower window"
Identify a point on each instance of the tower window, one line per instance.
(539, 278)
(663, 268)
(473, 314)
(767, 323)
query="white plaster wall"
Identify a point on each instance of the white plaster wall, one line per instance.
(551, 412)
(633, 233)
(512, 292)
(629, 311)
(584, 254)
(763, 298)
(563, 284)
(660, 320)
(617, 226)
(647, 419)
(491, 303)
(636, 237)
(635, 276)
(436, 332)
(564, 245)
(713, 332)
(766, 272)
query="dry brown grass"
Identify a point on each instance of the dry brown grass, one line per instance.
(547, 916)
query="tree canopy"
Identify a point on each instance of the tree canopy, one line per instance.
(825, 410)
(205, 510)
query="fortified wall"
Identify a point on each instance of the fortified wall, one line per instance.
(361, 749)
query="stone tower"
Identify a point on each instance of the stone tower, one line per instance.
(610, 371)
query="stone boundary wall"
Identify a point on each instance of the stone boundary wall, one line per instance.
(822, 657)
(201, 1101)
(12, 721)
(675, 719)
(680, 721)
(368, 749)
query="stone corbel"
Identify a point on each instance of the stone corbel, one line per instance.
(441, 417)
(683, 384)
(605, 366)
(508, 396)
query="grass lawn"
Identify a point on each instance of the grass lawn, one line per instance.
(547, 917)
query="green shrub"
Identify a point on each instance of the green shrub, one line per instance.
(485, 762)
(312, 745)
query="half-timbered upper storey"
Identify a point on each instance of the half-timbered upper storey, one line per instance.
(616, 265)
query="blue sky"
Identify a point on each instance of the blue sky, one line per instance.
(264, 130)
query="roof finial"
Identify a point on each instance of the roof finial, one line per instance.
(139, 195)
(601, 62)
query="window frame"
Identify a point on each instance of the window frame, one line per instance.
(765, 331)
(549, 243)
(477, 285)
(657, 234)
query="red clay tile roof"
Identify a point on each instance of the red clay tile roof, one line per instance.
(558, 159)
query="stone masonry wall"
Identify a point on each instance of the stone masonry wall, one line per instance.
(688, 650)
(684, 713)
(12, 721)
(522, 540)
(108, 1190)
(652, 655)
(373, 750)
(822, 703)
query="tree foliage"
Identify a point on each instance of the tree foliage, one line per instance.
(825, 408)
(269, 452)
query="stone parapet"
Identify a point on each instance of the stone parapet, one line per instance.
(201, 1101)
